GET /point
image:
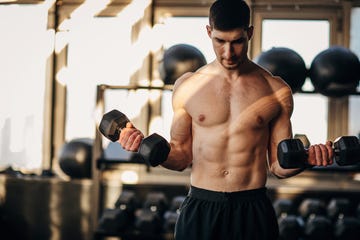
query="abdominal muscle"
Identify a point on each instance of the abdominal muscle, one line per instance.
(228, 165)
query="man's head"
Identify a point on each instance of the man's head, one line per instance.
(230, 32)
(226, 15)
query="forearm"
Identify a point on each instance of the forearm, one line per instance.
(280, 172)
(179, 157)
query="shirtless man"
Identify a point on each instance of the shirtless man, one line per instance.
(229, 117)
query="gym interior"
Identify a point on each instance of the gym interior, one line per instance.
(65, 63)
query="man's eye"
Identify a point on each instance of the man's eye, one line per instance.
(239, 41)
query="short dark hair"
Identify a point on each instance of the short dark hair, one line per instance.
(229, 14)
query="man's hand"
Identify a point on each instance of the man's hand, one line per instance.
(321, 154)
(130, 137)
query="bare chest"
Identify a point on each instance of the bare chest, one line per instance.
(239, 106)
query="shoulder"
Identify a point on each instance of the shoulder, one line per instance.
(279, 88)
(181, 80)
(276, 83)
(182, 88)
(191, 79)
(282, 92)
(189, 84)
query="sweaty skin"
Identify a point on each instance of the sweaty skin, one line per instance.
(229, 117)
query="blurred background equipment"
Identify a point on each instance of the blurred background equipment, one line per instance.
(345, 224)
(75, 158)
(119, 219)
(335, 72)
(317, 224)
(179, 59)
(142, 212)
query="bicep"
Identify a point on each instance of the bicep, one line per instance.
(280, 126)
(181, 124)
(280, 129)
(180, 132)
(180, 156)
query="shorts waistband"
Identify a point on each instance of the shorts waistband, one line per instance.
(216, 196)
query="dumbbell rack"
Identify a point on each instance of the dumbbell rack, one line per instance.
(135, 209)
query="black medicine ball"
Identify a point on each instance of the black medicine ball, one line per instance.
(335, 72)
(179, 59)
(75, 158)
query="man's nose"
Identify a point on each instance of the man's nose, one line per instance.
(228, 51)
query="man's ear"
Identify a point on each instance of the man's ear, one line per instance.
(208, 29)
(250, 32)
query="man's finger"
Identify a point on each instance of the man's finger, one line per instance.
(318, 156)
(324, 155)
(311, 158)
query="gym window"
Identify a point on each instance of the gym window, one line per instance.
(354, 101)
(100, 52)
(25, 46)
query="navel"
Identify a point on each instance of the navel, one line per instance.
(225, 172)
(201, 117)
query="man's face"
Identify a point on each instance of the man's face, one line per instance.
(231, 46)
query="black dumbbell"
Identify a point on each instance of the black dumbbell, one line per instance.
(346, 225)
(290, 225)
(283, 207)
(311, 207)
(149, 219)
(339, 208)
(317, 224)
(292, 153)
(154, 149)
(120, 218)
(171, 216)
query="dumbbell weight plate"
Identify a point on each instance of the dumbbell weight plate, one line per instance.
(112, 123)
(291, 153)
(154, 149)
(347, 150)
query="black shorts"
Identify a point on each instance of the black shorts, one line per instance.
(210, 215)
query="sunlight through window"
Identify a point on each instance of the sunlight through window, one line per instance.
(25, 47)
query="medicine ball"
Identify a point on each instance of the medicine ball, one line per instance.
(75, 158)
(179, 59)
(285, 63)
(335, 72)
